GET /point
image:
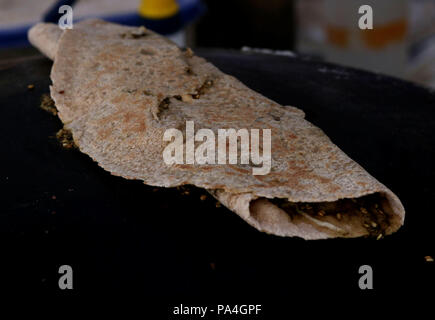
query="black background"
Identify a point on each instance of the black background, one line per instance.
(122, 237)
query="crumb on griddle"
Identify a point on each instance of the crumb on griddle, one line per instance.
(48, 105)
(30, 86)
(185, 190)
(65, 137)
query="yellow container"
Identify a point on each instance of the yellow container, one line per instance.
(158, 9)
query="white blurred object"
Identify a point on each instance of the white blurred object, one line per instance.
(421, 67)
(383, 49)
(401, 44)
(18, 13)
(21, 12)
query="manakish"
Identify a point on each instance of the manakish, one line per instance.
(119, 88)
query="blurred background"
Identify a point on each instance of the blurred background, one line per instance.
(401, 44)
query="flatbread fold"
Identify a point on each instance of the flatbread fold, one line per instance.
(119, 88)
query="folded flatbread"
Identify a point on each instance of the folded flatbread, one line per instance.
(119, 88)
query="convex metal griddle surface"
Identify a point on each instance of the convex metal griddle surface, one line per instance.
(58, 207)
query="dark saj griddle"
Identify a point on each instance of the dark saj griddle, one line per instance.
(59, 207)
